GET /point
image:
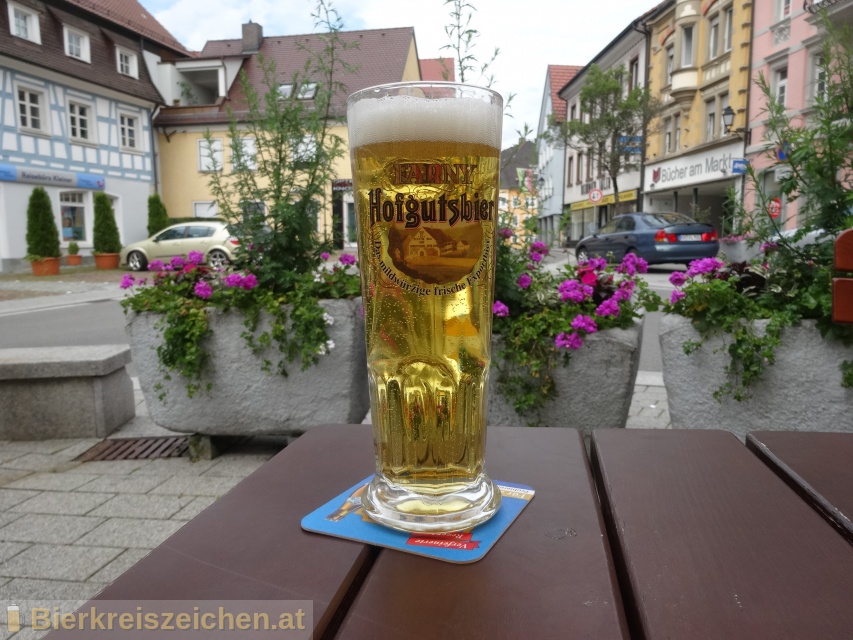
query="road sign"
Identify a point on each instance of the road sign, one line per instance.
(739, 166)
(774, 207)
(783, 152)
(595, 196)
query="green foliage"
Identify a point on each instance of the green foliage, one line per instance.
(791, 280)
(158, 218)
(42, 232)
(105, 237)
(612, 115)
(73, 248)
(272, 197)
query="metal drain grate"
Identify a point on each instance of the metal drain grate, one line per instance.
(137, 449)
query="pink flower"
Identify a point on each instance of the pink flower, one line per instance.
(505, 233)
(324, 256)
(233, 280)
(177, 262)
(539, 247)
(574, 291)
(568, 341)
(535, 256)
(126, 281)
(195, 257)
(584, 323)
(524, 280)
(155, 265)
(625, 291)
(676, 296)
(249, 282)
(704, 266)
(632, 264)
(203, 289)
(500, 309)
(609, 307)
(589, 277)
(347, 259)
(678, 278)
(597, 264)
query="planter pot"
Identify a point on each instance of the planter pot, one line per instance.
(107, 260)
(739, 251)
(244, 400)
(594, 391)
(46, 267)
(801, 392)
(74, 260)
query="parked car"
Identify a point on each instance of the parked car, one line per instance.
(210, 238)
(655, 237)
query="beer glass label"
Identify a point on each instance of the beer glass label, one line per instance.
(432, 224)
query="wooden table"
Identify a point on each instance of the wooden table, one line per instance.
(698, 538)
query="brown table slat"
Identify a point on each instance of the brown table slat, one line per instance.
(709, 543)
(818, 466)
(249, 545)
(535, 583)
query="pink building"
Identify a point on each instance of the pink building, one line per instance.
(786, 49)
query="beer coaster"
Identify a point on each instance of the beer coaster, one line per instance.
(343, 517)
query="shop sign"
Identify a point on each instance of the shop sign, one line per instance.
(739, 166)
(774, 207)
(695, 168)
(624, 196)
(28, 175)
(342, 185)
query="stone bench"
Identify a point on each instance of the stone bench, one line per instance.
(64, 392)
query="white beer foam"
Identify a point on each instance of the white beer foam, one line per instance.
(403, 118)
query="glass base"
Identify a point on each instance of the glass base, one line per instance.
(454, 509)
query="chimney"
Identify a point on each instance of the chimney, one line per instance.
(253, 36)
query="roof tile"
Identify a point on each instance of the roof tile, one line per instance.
(558, 77)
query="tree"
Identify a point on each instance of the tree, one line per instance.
(158, 218)
(283, 150)
(613, 124)
(105, 237)
(42, 233)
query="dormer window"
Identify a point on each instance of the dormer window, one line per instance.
(307, 90)
(126, 62)
(24, 23)
(76, 44)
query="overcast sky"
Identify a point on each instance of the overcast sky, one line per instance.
(531, 34)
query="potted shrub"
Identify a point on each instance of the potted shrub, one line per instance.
(42, 235)
(73, 259)
(560, 334)
(752, 345)
(106, 243)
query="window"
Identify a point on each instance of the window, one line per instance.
(579, 178)
(252, 211)
(79, 123)
(307, 90)
(714, 37)
(633, 74)
(667, 128)
(570, 171)
(24, 23)
(305, 150)
(285, 90)
(210, 155)
(206, 209)
(574, 112)
(780, 85)
(530, 202)
(819, 84)
(670, 64)
(588, 167)
(783, 9)
(200, 231)
(625, 223)
(126, 61)
(73, 213)
(248, 160)
(728, 22)
(76, 44)
(710, 119)
(31, 110)
(676, 127)
(128, 127)
(687, 46)
(724, 102)
(175, 233)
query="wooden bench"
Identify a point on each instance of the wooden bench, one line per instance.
(64, 392)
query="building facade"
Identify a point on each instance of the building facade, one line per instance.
(552, 156)
(518, 196)
(589, 195)
(787, 53)
(699, 67)
(77, 95)
(203, 89)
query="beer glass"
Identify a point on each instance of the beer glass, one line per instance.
(425, 161)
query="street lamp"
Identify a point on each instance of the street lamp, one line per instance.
(728, 116)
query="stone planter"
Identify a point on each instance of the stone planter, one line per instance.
(739, 251)
(244, 400)
(801, 392)
(594, 390)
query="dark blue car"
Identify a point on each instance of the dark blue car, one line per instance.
(655, 237)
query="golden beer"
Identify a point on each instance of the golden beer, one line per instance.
(425, 169)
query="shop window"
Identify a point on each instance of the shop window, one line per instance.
(73, 214)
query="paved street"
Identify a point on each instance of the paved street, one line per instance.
(69, 528)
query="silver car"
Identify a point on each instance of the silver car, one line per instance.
(212, 239)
